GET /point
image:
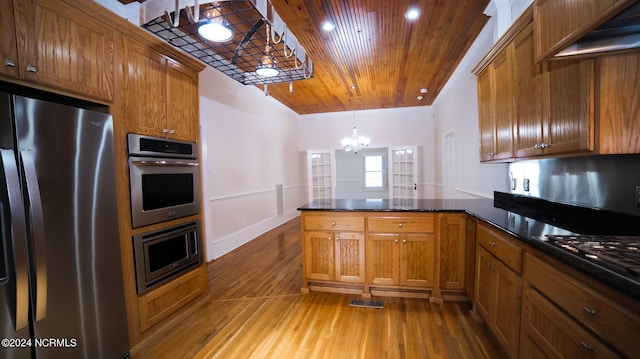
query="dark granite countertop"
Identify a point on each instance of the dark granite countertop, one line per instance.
(527, 219)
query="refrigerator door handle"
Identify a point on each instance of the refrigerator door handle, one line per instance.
(36, 219)
(18, 229)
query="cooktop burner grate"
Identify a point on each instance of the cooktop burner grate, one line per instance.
(619, 253)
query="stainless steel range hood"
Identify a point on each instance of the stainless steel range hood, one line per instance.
(622, 32)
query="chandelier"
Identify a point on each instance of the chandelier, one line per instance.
(355, 143)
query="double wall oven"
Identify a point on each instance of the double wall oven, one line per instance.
(164, 180)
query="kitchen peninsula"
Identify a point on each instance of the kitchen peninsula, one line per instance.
(511, 256)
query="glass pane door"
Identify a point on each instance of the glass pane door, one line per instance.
(320, 170)
(404, 164)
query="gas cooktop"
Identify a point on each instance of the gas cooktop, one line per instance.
(617, 253)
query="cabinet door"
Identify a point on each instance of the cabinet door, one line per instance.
(452, 251)
(508, 303)
(65, 48)
(146, 90)
(383, 255)
(8, 50)
(470, 257)
(503, 102)
(528, 110)
(559, 23)
(182, 98)
(349, 257)
(485, 285)
(319, 255)
(486, 114)
(556, 333)
(417, 260)
(570, 126)
(619, 100)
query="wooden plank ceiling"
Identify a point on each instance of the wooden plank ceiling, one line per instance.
(375, 57)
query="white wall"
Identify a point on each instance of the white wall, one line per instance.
(385, 127)
(250, 145)
(456, 110)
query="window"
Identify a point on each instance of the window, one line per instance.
(374, 171)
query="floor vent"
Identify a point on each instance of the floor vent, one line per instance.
(366, 303)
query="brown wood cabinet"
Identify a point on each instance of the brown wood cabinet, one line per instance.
(56, 45)
(163, 301)
(161, 95)
(566, 315)
(495, 105)
(452, 242)
(8, 46)
(470, 257)
(559, 23)
(498, 286)
(554, 102)
(619, 103)
(333, 248)
(561, 107)
(401, 251)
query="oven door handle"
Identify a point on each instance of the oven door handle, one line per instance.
(165, 163)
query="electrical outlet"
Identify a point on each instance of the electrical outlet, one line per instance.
(638, 196)
(525, 185)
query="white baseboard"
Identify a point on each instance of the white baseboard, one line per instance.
(224, 245)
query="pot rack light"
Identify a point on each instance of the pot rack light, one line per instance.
(267, 67)
(214, 28)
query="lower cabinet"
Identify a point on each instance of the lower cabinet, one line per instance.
(334, 256)
(498, 286)
(401, 250)
(166, 299)
(333, 248)
(567, 316)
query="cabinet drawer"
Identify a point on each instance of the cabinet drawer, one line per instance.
(330, 223)
(500, 246)
(611, 321)
(425, 224)
(163, 301)
(551, 329)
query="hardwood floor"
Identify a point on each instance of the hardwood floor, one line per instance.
(255, 310)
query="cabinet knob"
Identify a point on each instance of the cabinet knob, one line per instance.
(586, 346)
(164, 130)
(492, 244)
(404, 241)
(536, 146)
(590, 311)
(337, 238)
(400, 225)
(329, 238)
(396, 241)
(172, 132)
(31, 68)
(177, 284)
(9, 63)
(544, 145)
(333, 223)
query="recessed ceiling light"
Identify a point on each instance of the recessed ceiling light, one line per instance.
(412, 14)
(328, 26)
(420, 98)
(423, 90)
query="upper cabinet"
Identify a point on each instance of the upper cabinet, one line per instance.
(8, 49)
(555, 108)
(161, 95)
(560, 23)
(56, 45)
(553, 102)
(496, 108)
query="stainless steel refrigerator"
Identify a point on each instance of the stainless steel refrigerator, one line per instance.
(61, 285)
